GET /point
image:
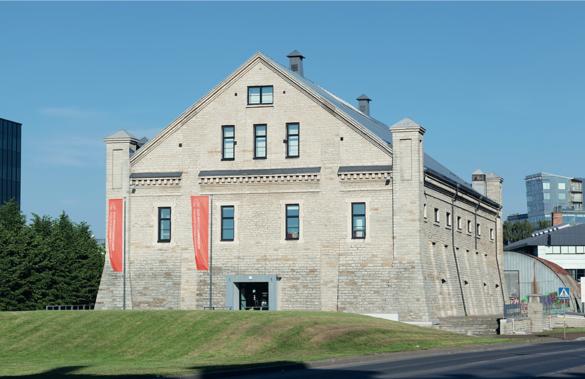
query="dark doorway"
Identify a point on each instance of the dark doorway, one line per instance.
(253, 296)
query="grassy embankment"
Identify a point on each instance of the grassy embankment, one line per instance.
(180, 342)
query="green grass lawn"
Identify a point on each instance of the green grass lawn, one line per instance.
(179, 342)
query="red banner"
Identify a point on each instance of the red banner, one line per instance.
(200, 225)
(115, 233)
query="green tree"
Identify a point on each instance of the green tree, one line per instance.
(543, 224)
(516, 231)
(49, 261)
(14, 240)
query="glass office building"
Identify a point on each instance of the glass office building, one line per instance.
(10, 134)
(548, 193)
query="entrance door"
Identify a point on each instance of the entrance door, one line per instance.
(253, 295)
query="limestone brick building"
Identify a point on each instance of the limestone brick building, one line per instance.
(311, 204)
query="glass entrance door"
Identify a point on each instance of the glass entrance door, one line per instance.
(253, 296)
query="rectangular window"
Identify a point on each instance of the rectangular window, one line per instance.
(561, 186)
(492, 234)
(292, 140)
(260, 141)
(260, 95)
(468, 226)
(448, 219)
(229, 142)
(546, 185)
(437, 215)
(227, 223)
(580, 249)
(478, 229)
(459, 223)
(556, 250)
(358, 220)
(425, 211)
(164, 224)
(292, 222)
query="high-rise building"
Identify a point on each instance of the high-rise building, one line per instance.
(10, 132)
(548, 193)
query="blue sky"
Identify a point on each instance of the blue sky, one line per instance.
(498, 86)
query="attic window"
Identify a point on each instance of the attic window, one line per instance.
(260, 95)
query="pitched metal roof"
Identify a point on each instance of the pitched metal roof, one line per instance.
(378, 128)
(155, 175)
(373, 168)
(556, 236)
(261, 171)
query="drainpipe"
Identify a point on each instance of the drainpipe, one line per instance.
(498, 265)
(124, 258)
(453, 199)
(475, 220)
(211, 252)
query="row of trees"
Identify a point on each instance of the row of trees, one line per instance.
(47, 261)
(518, 230)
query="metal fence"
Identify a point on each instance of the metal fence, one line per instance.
(82, 307)
(551, 305)
(515, 311)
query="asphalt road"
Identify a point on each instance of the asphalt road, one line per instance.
(548, 360)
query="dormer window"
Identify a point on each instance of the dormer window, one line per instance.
(260, 95)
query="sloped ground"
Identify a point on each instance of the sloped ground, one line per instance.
(180, 342)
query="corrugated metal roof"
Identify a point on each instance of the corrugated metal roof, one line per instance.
(549, 276)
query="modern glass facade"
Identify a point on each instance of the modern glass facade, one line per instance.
(546, 193)
(10, 135)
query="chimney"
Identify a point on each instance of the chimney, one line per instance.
(556, 218)
(295, 59)
(364, 104)
(488, 184)
(479, 181)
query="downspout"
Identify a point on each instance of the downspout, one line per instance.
(475, 226)
(453, 199)
(211, 252)
(498, 265)
(124, 258)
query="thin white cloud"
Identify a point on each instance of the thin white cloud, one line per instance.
(68, 112)
(71, 152)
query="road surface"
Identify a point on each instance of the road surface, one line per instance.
(547, 360)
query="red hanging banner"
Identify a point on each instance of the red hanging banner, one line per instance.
(200, 225)
(115, 233)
